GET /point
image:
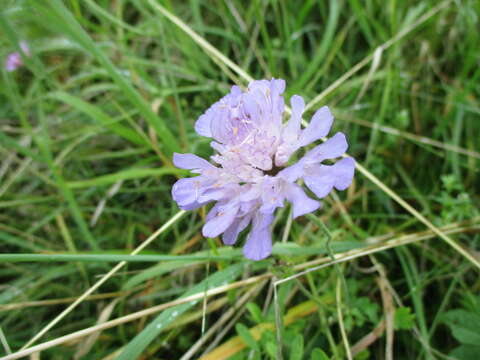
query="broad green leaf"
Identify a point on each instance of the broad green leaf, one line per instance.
(404, 319)
(255, 312)
(271, 348)
(318, 354)
(465, 326)
(466, 352)
(296, 349)
(244, 333)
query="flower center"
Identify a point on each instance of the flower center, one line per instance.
(273, 171)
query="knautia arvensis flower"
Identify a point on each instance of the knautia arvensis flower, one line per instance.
(250, 176)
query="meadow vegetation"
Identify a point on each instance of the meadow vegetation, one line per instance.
(98, 262)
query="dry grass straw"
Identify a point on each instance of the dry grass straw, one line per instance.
(304, 268)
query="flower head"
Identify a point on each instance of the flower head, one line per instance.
(14, 60)
(250, 177)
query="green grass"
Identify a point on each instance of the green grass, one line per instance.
(97, 261)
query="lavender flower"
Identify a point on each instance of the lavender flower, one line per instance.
(14, 60)
(250, 177)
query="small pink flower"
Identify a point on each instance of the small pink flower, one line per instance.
(14, 60)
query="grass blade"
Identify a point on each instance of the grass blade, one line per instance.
(134, 349)
(71, 26)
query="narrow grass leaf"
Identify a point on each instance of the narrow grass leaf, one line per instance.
(128, 174)
(134, 349)
(9, 143)
(13, 258)
(71, 26)
(323, 47)
(99, 116)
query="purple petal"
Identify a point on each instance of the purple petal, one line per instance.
(217, 147)
(250, 106)
(249, 193)
(213, 194)
(186, 191)
(218, 192)
(261, 85)
(219, 124)
(190, 161)
(332, 148)
(222, 219)
(235, 91)
(292, 129)
(230, 235)
(248, 207)
(256, 104)
(13, 62)
(277, 86)
(298, 106)
(213, 211)
(272, 194)
(343, 170)
(292, 173)
(270, 204)
(318, 128)
(322, 178)
(203, 124)
(192, 206)
(259, 242)
(302, 204)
